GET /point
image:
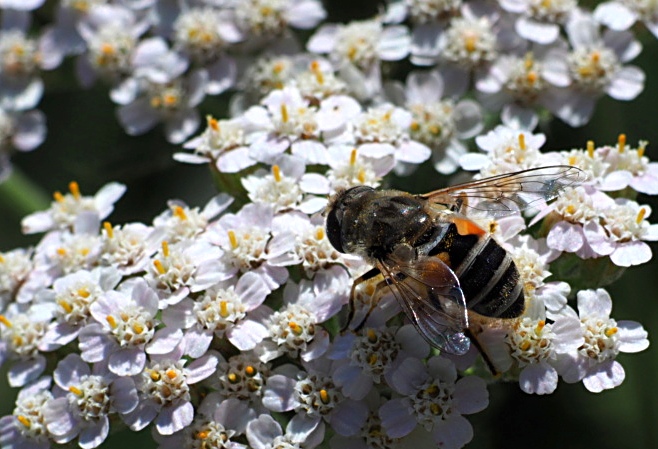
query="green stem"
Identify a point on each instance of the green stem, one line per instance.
(21, 196)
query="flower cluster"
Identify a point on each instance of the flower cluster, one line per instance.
(224, 325)
(238, 305)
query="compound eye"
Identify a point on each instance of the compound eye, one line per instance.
(334, 227)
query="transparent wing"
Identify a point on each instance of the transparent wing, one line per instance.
(428, 291)
(509, 193)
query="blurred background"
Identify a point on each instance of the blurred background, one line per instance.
(86, 144)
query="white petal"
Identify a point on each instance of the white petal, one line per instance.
(539, 378)
(605, 376)
(632, 336)
(396, 419)
(631, 253)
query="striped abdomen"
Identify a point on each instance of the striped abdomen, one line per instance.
(487, 274)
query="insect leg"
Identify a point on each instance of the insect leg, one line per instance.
(352, 309)
(474, 339)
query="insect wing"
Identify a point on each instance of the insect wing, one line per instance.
(428, 291)
(509, 193)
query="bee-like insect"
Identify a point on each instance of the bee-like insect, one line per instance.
(447, 272)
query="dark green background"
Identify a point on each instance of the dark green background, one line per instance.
(86, 144)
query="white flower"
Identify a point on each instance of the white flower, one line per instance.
(65, 209)
(604, 339)
(266, 433)
(433, 397)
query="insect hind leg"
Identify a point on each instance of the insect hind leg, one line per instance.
(377, 292)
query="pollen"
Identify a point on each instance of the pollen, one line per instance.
(640, 215)
(372, 336)
(213, 123)
(154, 375)
(470, 43)
(165, 248)
(83, 292)
(315, 68)
(74, 188)
(590, 148)
(353, 156)
(295, 328)
(233, 239)
(278, 68)
(361, 177)
(111, 321)
(324, 396)
(172, 374)
(61, 252)
(232, 378)
(159, 267)
(621, 143)
(223, 309)
(319, 233)
(179, 212)
(138, 328)
(540, 326)
(58, 197)
(65, 305)
(372, 359)
(522, 145)
(284, 114)
(202, 434)
(611, 331)
(76, 391)
(5, 321)
(23, 420)
(250, 371)
(109, 231)
(276, 172)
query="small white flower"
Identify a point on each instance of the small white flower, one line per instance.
(604, 339)
(65, 209)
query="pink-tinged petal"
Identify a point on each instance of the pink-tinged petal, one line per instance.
(174, 417)
(141, 416)
(605, 376)
(397, 421)
(59, 420)
(627, 83)
(69, 371)
(94, 344)
(262, 431)
(598, 239)
(394, 43)
(568, 333)
(324, 39)
(617, 180)
(615, 15)
(37, 222)
(197, 341)
(124, 395)
(565, 237)
(127, 362)
(442, 368)
(471, 395)
(452, 433)
(409, 376)
(539, 378)
(413, 152)
(318, 346)
(311, 151)
(24, 371)
(279, 393)
(252, 290)
(306, 430)
(201, 368)
(235, 160)
(306, 14)
(594, 303)
(631, 253)
(354, 384)
(540, 32)
(137, 117)
(93, 435)
(164, 341)
(632, 336)
(247, 334)
(348, 417)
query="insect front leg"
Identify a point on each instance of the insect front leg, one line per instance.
(377, 291)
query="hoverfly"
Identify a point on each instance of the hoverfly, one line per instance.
(445, 270)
